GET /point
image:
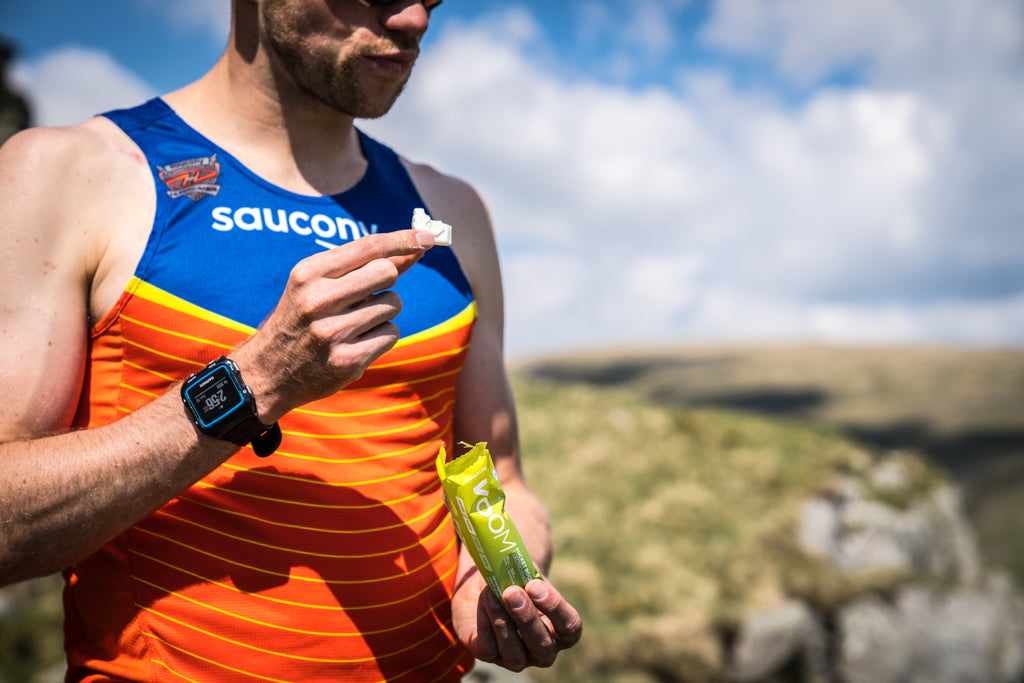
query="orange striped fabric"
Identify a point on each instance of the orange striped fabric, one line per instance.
(331, 560)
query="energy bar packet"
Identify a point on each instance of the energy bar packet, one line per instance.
(476, 502)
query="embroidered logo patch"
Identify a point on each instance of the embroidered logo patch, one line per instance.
(192, 178)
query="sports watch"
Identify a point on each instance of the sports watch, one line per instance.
(222, 406)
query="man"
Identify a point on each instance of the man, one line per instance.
(244, 216)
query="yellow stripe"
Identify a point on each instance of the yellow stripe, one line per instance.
(275, 652)
(299, 527)
(343, 461)
(228, 465)
(137, 345)
(410, 383)
(418, 359)
(149, 292)
(403, 428)
(433, 659)
(173, 333)
(181, 675)
(304, 503)
(426, 467)
(151, 371)
(300, 456)
(156, 295)
(461, 319)
(138, 390)
(214, 663)
(399, 385)
(328, 634)
(332, 608)
(294, 551)
(377, 411)
(443, 676)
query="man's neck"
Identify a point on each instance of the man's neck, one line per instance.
(293, 141)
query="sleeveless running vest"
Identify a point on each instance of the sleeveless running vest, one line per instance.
(334, 558)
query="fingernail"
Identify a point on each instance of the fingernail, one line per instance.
(537, 589)
(424, 238)
(516, 601)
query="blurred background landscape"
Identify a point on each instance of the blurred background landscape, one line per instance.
(765, 276)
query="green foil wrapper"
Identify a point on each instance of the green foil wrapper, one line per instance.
(476, 502)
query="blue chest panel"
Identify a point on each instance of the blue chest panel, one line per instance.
(225, 240)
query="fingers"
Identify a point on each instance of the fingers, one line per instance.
(513, 652)
(565, 621)
(403, 248)
(332, 280)
(535, 625)
(470, 617)
(332, 321)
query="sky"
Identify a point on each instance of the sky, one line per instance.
(675, 171)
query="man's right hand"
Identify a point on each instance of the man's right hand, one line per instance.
(332, 321)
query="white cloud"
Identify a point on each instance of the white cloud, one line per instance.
(212, 17)
(922, 41)
(73, 84)
(885, 211)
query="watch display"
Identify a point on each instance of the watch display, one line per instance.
(215, 396)
(221, 405)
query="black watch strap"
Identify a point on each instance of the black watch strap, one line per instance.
(265, 440)
(220, 384)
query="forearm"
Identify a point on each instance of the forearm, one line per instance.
(531, 519)
(63, 497)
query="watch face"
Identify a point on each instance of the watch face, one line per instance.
(214, 396)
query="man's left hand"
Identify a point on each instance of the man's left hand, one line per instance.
(530, 630)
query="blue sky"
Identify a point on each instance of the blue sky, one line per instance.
(675, 171)
(582, 38)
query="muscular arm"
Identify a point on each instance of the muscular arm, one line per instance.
(71, 205)
(62, 495)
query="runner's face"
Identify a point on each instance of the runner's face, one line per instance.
(353, 56)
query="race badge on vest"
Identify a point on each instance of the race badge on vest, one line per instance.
(192, 178)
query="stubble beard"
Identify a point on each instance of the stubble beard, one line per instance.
(341, 79)
(352, 93)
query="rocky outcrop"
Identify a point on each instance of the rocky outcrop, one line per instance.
(918, 604)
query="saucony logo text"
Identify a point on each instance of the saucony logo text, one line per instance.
(329, 231)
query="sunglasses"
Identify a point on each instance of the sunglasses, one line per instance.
(429, 4)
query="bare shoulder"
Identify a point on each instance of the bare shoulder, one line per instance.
(86, 195)
(458, 203)
(448, 196)
(68, 174)
(65, 152)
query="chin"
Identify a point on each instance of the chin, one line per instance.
(367, 107)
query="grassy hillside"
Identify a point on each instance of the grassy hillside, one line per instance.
(963, 409)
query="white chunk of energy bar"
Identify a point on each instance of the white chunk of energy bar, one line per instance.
(441, 231)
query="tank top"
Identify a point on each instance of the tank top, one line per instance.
(331, 560)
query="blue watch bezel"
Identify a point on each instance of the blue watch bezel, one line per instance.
(196, 383)
(241, 424)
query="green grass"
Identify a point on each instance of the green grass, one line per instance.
(31, 642)
(671, 524)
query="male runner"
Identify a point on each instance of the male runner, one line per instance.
(244, 218)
